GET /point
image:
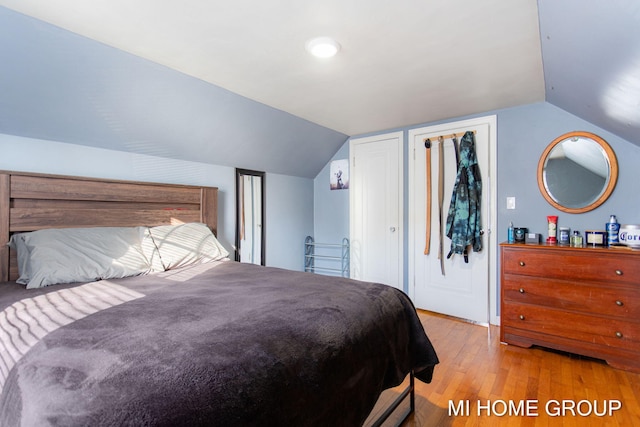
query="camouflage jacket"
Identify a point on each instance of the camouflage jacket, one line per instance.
(464, 225)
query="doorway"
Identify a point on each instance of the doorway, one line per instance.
(453, 286)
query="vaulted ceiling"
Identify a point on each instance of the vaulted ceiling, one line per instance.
(230, 83)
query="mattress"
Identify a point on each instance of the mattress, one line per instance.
(221, 343)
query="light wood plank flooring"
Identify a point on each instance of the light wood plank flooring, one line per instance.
(476, 367)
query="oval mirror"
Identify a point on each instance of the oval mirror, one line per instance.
(577, 172)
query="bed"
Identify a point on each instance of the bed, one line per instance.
(204, 342)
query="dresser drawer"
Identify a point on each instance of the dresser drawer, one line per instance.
(617, 300)
(577, 264)
(594, 330)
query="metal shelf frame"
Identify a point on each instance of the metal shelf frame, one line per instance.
(334, 257)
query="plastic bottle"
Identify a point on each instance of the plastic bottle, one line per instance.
(612, 227)
(511, 238)
(576, 239)
(552, 221)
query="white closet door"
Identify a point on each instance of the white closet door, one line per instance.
(376, 209)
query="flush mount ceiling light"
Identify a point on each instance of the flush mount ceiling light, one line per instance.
(322, 47)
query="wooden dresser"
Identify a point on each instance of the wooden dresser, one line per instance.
(580, 300)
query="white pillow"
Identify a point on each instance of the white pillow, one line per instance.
(185, 244)
(85, 254)
(16, 242)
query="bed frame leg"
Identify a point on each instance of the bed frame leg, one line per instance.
(412, 403)
(411, 393)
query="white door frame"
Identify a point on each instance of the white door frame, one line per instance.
(400, 192)
(490, 213)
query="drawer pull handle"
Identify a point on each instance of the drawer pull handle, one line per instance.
(619, 303)
(521, 290)
(521, 317)
(521, 263)
(619, 272)
(619, 334)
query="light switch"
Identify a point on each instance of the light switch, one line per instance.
(511, 202)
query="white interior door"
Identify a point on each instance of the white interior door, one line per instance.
(463, 289)
(376, 209)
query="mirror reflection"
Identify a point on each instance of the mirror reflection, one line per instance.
(577, 172)
(250, 209)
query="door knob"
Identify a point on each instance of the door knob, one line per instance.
(392, 229)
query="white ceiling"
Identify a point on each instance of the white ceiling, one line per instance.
(401, 63)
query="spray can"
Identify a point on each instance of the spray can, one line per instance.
(511, 238)
(612, 228)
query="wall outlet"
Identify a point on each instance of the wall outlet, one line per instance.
(511, 202)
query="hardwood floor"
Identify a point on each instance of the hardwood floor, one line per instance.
(553, 388)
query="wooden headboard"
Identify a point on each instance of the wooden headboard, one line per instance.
(30, 202)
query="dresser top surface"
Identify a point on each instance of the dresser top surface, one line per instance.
(613, 250)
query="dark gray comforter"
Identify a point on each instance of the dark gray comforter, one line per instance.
(219, 344)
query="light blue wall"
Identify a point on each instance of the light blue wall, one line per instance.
(297, 207)
(289, 220)
(289, 200)
(331, 217)
(523, 134)
(331, 207)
